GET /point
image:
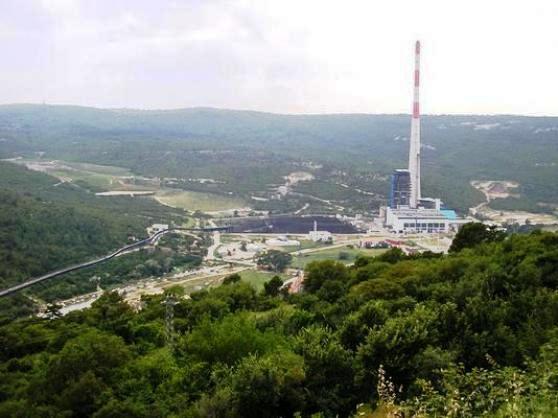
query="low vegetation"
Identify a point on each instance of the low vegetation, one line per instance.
(346, 255)
(472, 333)
(258, 278)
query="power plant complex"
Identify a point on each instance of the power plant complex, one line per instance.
(407, 210)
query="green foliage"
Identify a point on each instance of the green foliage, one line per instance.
(228, 340)
(325, 277)
(272, 287)
(393, 255)
(45, 225)
(270, 386)
(469, 334)
(250, 151)
(232, 278)
(343, 255)
(111, 313)
(496, 391)
(329, 372)
(274, 260)
(473, 234)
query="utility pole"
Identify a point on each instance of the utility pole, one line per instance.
(97, 281)
(169, 303)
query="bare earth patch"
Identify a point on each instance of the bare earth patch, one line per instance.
(501, 189)
(496, 189)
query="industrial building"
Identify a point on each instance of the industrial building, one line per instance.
(319, 236)
(400, 192)
(408, 211)
(421, 220)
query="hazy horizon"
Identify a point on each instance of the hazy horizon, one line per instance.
(355, 57)
(174, 109)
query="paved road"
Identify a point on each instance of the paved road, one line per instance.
(216, 242)
(148, 241)
(302, 209)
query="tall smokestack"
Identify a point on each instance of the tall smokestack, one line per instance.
(414, 143)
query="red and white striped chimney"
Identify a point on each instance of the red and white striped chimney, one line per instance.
(416, 111)
(414, 141)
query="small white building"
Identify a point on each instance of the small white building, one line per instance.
(319, 236)
(254, 248)
(153, 229)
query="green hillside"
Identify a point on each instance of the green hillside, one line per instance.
(249, 151)
(46, 225)
(473, 333)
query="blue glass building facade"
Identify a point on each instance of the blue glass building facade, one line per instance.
(400, 191)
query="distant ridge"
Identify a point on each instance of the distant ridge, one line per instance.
(194, 109)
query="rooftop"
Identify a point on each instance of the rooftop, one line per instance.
(418, 213)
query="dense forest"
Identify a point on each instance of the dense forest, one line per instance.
(45, 225)
(250, 151)
(466, 334)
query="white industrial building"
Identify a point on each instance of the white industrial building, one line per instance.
(405, 220)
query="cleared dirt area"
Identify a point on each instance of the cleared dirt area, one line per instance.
(501, 189)
(298, 176)
(519, 217)
(496, 189)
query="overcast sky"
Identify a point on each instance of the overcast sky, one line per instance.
(300, 56)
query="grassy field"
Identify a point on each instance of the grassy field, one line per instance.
(107, 178)
(201, 283)
(189, 223)
(110, 178)
(333, 254)
(198, 201)
(257, 278)
(96, 180)
(101, 177)
(99, 169)
(227, 239)
(106, 170)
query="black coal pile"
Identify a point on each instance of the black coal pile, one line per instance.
(288, 225)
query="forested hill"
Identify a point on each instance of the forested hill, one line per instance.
(187, 142)
(473, 333)
(45, 225)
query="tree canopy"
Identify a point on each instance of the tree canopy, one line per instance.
(471, 333)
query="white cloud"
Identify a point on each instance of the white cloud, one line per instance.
(286, 56)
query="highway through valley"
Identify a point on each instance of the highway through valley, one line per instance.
(136, 245)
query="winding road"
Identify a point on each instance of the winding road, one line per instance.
(147, 241)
